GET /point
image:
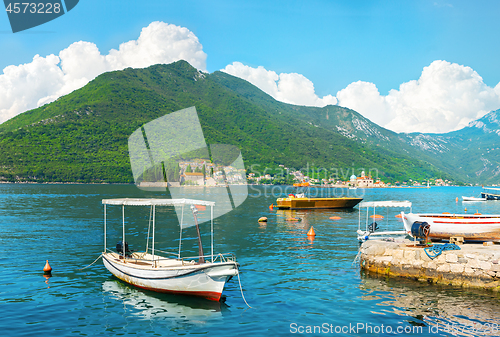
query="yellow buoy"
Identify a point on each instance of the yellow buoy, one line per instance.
(263, 219)
(47, 269)
(311, 232)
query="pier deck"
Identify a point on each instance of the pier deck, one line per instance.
(474, 265)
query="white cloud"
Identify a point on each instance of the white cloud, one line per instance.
(446, 97)
(30, 85)
(289, 88)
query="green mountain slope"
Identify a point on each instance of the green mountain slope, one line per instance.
(83, 136)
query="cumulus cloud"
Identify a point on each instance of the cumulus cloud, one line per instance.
(286, 87)
(446, 97)
(43, 80)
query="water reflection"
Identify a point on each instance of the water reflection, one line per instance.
(457, 311)
(150, 305)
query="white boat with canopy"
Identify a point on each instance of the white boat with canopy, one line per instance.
(152, 270)
(370, 232)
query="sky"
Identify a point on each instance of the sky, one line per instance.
(409, 66)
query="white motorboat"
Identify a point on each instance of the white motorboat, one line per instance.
(472, 227)
(473, 199)
(371, 227)
(151, 270)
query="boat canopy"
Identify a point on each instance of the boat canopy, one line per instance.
(388, 203)
(156, 202)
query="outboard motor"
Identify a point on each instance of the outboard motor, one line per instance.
(420, 231)
(373, 227)
(119, 248)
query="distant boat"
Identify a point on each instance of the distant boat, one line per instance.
(472, 227)
(491, 195)
(293, 202)
(301, 201)
(473, 199)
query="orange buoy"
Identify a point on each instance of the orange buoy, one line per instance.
(47, 269)
(335, 218)
(263, 219)
(456, 200)
(399, 216)
(376, 216)
(271, 207)
(446, 213)
(311, 232)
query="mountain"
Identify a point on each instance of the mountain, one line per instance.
(82, 137)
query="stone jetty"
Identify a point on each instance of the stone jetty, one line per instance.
(474, 265)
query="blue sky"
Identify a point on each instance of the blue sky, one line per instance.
(333, 44)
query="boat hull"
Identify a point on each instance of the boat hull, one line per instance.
(317, 203)
(205, 280)
(470, 227)
(473, 199)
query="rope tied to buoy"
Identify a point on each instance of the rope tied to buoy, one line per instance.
(436, 250)
(91, 263)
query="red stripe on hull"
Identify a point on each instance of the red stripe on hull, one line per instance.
(467, 222)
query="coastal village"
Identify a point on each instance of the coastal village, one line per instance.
(362, 181)
(206, 173)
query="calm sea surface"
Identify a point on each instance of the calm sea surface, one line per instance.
(293, 284)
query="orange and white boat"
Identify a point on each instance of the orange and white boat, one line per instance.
(202, 275)
(300, 201)
(472, 227)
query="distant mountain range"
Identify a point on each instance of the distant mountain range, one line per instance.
(82, 137)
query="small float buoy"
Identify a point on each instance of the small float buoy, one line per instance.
(456, 200)
(465, 209)
(47, 269)
(376, 216)
(263, 219)
(293, 219)
(335, 218)
(271, 207)
(311, 232)
(399, 216)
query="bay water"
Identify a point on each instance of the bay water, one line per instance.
(294, 285)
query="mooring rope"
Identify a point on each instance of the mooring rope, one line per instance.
(91, 263)
(436, 250)
(241, 289)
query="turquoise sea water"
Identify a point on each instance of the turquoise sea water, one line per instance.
(294, 285)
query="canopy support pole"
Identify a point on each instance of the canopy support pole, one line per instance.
(149, 228)
(153, 244)
(180, 231)
(212, 230)
(104, 228)
(123, 240)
